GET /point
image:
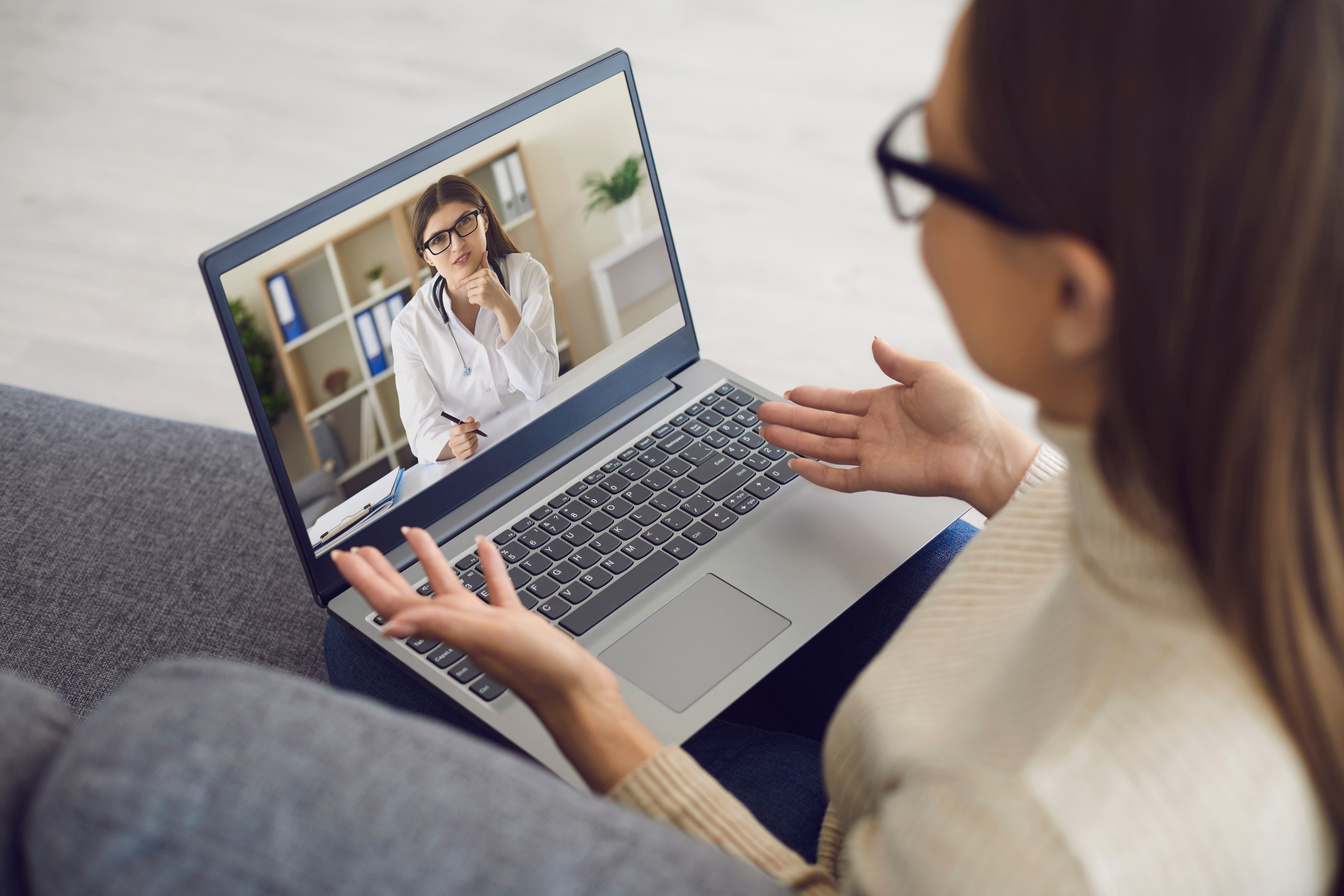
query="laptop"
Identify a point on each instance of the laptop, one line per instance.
(635, 501)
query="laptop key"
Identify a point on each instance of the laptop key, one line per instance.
(697, 453)
(658, 534)
(736, 451)
(695, 505)
(679, 548)
(726, 408)
(554, 524)
(465, 671)
(781, 473)
(575, 592)
(574, 511)
(445, 656)
(594, 497)
(578, 535)
(487, 688)
(421, 644)
(741, 503)
(656, 480)
(758, 463)
(693, 410)
(637, 549)
(585, 557)
(745, 418)
(533, 539)
(627, 454)
(540, 513)
(676, 467)
(654, 457)
(595, 578)
(617, 507)
(625, 529)
(699, 533)
(741, 397)
(728, 483)
(674, 443)
(612, 465)
(557, 502)
(731, 430)
(664, 501)
(617, 563)
(711, 468)
(564, 571)
(709, 399)
(522, 525)
(556, 549)
(634, 471)
(605, 543)
(761, 487)
(719, 518)
(637, 494)
(683, 488)
(472, 579)
(601, 605)
(554, 607)
(535, 564)
(645, 516)
(774, 452)
(466, 562)
(518, 577)
(662, 431)
(710, 418)
(426, 589)
(725, 389)
(576, 489)
(513, 553)
(645, 443)
(594, 477)
(614, 484)
(715, 439)
(544, 587)
(752, 440)
(678, 520)
(695, 428)
(598, 521)
(678, 420)
(504, 537)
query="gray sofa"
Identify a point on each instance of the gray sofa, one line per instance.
(127, 541)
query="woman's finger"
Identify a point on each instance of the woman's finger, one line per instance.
(828, 448)
(381, 594)
(502, 593)
(827, 398)
(442, 578)
(380, 565)
(839, 479)
(443, 621)
(823, 423)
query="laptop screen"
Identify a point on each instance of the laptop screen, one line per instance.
(402, 331)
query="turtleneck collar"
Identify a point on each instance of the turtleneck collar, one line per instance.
(1129, 562)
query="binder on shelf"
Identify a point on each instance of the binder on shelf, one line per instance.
(500, 169)
(369, 341)
(287, 311)
(396, 302)
(368, 439)
(382, 321)
(515, 165)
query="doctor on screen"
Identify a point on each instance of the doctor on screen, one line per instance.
(479, 337)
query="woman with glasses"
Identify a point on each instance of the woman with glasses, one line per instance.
(479, 337)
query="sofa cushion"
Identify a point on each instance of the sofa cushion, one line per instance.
(33, 724)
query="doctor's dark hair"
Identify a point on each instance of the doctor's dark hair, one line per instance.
(1199, 146)
(455, 188)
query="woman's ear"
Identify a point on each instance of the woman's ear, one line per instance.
(1081, 324)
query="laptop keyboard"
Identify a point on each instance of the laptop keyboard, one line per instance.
(590, 549)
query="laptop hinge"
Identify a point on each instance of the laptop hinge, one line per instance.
(459, 520)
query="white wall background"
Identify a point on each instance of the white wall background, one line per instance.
(136, 133)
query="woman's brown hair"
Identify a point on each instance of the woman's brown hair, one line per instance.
(455, 188)
(1199, 145)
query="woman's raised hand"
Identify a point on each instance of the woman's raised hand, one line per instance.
(462, 438)
(930, 433)
(576, 697)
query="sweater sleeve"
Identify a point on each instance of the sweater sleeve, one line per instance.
(671, 787)
(1047, 464)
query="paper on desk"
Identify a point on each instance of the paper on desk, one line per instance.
(372, 494)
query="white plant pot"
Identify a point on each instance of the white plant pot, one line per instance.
(627, 220)
(375, 287)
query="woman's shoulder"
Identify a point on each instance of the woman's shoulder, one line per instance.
(409, 319)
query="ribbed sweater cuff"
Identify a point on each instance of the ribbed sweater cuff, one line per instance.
(1047, 464)
(672, 787)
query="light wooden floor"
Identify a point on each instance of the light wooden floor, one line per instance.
(136, 133)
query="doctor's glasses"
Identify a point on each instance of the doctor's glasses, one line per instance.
(913, 182)
(465, 226)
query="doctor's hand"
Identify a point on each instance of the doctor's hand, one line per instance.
(931, 433)
(462, 438)
(576, 697)
(484, 289)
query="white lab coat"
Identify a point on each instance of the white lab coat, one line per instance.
(429, 371)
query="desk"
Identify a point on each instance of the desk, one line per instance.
(413, 481)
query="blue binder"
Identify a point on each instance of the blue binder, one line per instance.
(372, 345)
(287, 310)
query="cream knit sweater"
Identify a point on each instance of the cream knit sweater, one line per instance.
(1060, 714)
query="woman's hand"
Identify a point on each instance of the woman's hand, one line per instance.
(462, 438)
(932, 433)
(575, 696)
(484, 289)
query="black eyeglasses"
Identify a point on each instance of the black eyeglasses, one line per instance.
(912, 182)
(465, 226)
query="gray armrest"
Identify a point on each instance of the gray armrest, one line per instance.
(129, 538)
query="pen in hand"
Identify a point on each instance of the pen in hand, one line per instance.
(452, 419)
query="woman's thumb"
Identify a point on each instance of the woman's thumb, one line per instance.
(902, 367)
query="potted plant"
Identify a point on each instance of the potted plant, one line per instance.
(261, 359)
(617, 192)
(375, 277)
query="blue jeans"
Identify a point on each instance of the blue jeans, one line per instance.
(765, 749)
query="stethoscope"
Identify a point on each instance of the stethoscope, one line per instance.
(437, 292)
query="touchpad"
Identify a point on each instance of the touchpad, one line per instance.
(692, 643)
